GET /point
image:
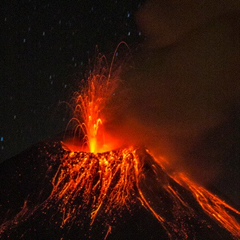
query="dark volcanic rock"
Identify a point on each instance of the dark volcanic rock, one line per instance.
(27, 213)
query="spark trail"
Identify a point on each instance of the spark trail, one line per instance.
(90, 106)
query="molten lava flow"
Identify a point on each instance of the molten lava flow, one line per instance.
(216, 208)
(109, 183)
(104, 185)
(106, 182)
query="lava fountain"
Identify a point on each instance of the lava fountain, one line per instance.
(90, 105)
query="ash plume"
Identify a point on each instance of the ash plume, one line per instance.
(182, 94)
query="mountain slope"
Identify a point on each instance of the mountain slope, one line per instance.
(43, 198)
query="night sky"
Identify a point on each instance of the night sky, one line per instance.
(46, 47)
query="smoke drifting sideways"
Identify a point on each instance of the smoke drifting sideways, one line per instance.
(181, 97)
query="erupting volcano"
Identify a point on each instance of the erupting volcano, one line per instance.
(102, 189)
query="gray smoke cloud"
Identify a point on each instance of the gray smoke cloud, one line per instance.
(181, 97)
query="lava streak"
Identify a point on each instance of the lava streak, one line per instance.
(106, 182)
(104, 185)
(216, 208)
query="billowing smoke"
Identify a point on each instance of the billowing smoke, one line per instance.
(181, 96)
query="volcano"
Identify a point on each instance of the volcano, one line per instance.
(101, 188)
(48, 192)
